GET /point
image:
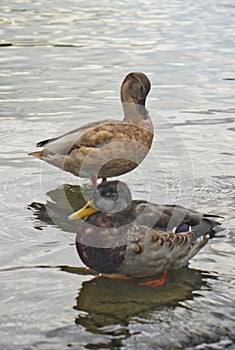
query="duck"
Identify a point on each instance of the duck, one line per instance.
(123, 238)
(106, 148)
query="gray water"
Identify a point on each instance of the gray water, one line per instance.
(61, 65)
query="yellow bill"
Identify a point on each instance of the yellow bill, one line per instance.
(87, 210)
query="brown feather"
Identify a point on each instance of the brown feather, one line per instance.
(106, 148)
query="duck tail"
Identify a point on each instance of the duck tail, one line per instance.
(218, 231)
(37, 154)
(215, 228)
(45, 142)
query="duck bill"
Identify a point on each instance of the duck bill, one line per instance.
(87, 210)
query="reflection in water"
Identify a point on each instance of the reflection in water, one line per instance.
(108, 306)
(63, 201)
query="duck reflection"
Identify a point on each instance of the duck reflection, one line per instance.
(62, 201)
(108, 306)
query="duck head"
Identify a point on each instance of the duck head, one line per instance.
(135, 88)
(110, 197)
(134, 91)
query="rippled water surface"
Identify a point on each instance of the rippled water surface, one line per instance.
(61, 65)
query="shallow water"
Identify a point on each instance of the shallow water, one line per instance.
(61, 65)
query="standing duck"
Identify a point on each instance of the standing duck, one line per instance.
(106, 148)
(125, 238)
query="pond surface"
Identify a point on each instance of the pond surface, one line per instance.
(61, 65)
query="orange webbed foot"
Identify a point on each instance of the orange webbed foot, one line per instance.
(155, 282)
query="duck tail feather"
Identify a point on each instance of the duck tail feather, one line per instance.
(213, 216)
(45, 142)
(219, 231)
(37, 154)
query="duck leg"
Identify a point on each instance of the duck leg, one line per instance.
(155, 282)
(94, 180)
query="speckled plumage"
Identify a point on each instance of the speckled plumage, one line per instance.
(143, 239)
(109, 147)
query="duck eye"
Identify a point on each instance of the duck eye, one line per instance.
(134, 97)
(107, 194)
(110, 195)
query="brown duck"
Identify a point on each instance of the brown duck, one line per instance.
(109, 147)
(126, 238)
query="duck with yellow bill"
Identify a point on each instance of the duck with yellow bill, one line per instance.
(124, 238)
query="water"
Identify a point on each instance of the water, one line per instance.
(61, 65)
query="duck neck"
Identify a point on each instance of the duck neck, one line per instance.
(123, 217)
(136, 114)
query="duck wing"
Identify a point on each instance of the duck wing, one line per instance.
(175, 218)
(96, 134)
(152, 251)
(109, 148)
(78, 131)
